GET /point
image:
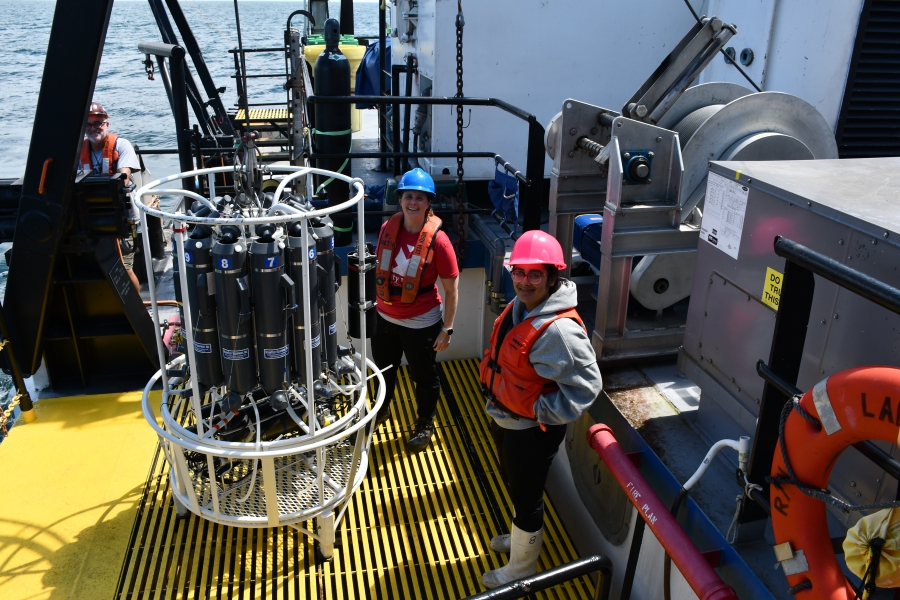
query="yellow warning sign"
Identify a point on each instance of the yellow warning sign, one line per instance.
(772, 288)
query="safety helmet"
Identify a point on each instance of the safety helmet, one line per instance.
(536, 247)
(97, 110)
(417, 179)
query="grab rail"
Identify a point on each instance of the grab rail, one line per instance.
(561, 574)
(705, 582)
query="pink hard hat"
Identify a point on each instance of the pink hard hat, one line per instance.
(536, 247)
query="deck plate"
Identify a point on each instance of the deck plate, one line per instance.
(418, 527)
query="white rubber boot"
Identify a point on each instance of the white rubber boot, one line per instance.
(525, 548)
(500, 543)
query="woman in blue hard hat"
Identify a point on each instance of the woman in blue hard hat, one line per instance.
(539, 373)
(412, 253)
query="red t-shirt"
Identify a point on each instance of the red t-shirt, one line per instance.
(443, 265)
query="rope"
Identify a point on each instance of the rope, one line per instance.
(739, 500)
(330, 179)
(867, 584)
(346, 160)
(345, 132)
(822, 495)
(806, 585)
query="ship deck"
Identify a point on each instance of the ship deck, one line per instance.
(88, 514)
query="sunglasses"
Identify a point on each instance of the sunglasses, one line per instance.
(95, 125)
(534, 277)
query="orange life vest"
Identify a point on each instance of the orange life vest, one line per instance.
(110, 156)
(506, 372)
(421, 256)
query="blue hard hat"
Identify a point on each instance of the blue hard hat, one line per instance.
(417, 179)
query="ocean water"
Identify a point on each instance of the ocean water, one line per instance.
(139, 109)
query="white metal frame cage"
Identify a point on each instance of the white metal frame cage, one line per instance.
(283, 481)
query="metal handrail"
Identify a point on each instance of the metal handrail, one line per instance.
(555, 576)
(859, 283)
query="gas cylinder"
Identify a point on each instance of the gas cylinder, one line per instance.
(207, 367)
(311, 296)
(323, 228)
(229, 259)
(272, 294)
(332, 124)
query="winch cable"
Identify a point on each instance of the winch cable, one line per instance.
(460, 171)
(728, 59)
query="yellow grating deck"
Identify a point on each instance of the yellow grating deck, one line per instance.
(418, 527)
(264, 114)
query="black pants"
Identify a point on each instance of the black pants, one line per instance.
(390, 343)
(525, 458)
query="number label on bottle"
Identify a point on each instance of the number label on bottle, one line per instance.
(271, 261)
(224, 263)
(188, 257)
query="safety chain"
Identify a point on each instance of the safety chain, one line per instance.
(6, 414)
(822, 495)
(460, 217)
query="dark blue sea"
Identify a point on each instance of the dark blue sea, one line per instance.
(139, 109)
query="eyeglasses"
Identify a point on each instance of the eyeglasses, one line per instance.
(534, 277)
(96, 124)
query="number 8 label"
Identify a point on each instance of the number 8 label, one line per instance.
(225, 263)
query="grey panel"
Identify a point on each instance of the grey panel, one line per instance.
(598, 489)
(860, 331)
(735, 327)
(857, 479)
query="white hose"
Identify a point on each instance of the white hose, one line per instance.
(743, 448)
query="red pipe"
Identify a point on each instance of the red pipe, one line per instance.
(705, 582)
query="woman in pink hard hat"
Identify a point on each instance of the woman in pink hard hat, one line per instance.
(539, 373)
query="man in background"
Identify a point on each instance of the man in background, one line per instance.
(105, 153)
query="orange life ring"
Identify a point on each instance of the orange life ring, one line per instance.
(853, 405)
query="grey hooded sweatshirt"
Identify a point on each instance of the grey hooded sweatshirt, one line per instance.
(562, 353)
